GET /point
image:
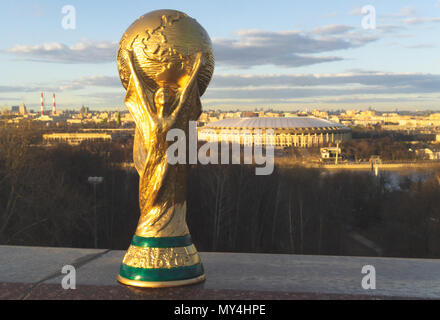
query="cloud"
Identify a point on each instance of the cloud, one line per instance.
(356, 87)
(275, 86)
(249, 48)
(286, 48)
(412, 18)
(332, 29)
(420, 20)
(389, 28)
(81, 52)
(38, 11)
(356, 12)
(318, 85)
(72, 85)
(368, 78)
(383, 102)
(91, 81)
(409, 16)
(421, 46)
(406, 11)
(8, 99)
(30, 88)
(330, 14)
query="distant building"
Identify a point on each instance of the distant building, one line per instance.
(44, 118)
(330, 153)
(22, 109)
(75, 138)
(16, 120)
(432, 154)
(429, 154)
(127, 118)
(15, 109)
(249, 114)
(303, 132)
(74, 121)
(320, 114)
(204, 117)
(84, 110)
(272, 114)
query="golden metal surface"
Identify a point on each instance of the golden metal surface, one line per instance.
(163, 258)
(165, 62)
(160, 284)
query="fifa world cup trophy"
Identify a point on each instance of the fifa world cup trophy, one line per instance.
(165, 63)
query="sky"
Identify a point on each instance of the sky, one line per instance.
(282, 55)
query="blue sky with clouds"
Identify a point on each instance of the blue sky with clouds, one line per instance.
(269, 54)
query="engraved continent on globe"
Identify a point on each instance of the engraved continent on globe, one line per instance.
(163, 42)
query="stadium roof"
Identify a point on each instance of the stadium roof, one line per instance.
(275, 122)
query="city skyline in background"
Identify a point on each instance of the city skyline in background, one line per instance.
(280, 55)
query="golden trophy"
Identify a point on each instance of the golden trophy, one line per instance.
(165, 63)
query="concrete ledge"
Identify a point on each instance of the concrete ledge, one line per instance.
(35, 273)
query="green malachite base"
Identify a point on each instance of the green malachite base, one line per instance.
(172, 274)
(160, 284)
(161, 277)
(165, 242)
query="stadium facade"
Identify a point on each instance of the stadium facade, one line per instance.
(302, 132)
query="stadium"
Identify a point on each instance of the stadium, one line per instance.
(302, 132)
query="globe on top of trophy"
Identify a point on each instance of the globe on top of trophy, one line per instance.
(164, 46)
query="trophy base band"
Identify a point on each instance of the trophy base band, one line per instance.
(161, 262)
(161, 284)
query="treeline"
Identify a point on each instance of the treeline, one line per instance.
(46, 200)
(389, 145)
(310, 211)
(386, 148)
(376, 132)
